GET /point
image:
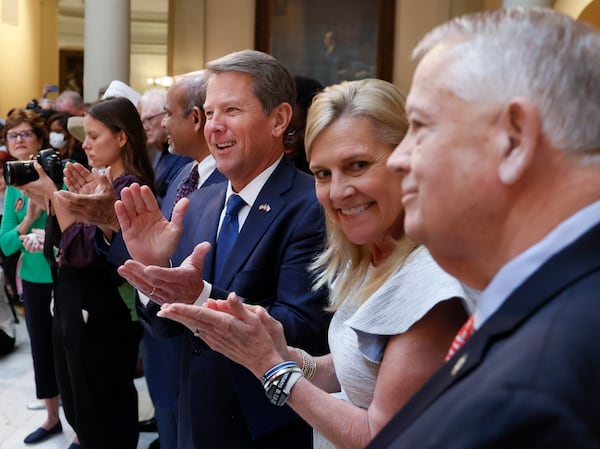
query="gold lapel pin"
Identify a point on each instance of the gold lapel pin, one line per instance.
(459, 364)
(264, 207)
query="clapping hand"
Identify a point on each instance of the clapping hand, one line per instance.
(150, 238)
(90, 198)
(246, 334)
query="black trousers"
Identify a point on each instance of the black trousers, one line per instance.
(95, 359)
(37, 298)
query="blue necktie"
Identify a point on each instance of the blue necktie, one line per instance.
(228, 233)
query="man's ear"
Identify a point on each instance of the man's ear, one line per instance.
(524, 127)
(198, 117)
(282, 115)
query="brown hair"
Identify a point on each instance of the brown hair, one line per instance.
(37, 122)
(119, 114)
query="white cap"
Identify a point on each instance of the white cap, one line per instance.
(118, 88)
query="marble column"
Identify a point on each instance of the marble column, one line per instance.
(106, 44)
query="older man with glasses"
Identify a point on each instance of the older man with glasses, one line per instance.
(166, 165)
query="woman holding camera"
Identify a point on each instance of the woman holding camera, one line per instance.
(24, 134)
(94, 336)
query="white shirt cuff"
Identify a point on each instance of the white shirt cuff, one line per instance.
(143, 299)
(206, 291)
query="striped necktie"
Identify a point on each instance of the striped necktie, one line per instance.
(461, 338)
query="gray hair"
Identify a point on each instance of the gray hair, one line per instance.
(273, 84)
(536, 53)
(194, 84)
(157, 95)
(72, 95)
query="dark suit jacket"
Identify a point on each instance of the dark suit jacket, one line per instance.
(165, 170)
(528, 378)
(223, 405)
(169, 201)
(162, 355)
(117, 253)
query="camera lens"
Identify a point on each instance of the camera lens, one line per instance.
(18, 173)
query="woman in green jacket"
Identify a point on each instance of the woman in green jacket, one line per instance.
(24, 134)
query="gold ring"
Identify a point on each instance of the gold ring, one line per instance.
(152, 292)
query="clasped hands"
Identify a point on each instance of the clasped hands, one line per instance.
(244, 333)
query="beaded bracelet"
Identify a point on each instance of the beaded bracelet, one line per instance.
(279, 380)
(309, 365)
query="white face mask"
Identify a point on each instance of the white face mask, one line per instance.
(57, 140)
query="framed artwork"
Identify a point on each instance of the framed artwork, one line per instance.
(71, 70)
(329, 40)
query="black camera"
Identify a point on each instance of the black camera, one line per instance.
(18, 173)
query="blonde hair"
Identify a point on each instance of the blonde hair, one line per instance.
(342, 265)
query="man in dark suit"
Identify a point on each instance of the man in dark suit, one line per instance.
(183, 122)
(248, 106)
(502, 164)
(184, 125)
(165, 163)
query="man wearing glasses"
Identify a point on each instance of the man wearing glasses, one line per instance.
(165, 164)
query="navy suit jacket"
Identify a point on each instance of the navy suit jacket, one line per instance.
(162, 355)
(165, 170)
(528, 378)
(169, 201)
(222, 405)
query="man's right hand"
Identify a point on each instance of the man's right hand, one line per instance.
(150, 238)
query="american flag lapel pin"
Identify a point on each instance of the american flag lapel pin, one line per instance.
(264, 207)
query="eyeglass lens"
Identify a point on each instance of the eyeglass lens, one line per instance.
(148, 120)
(23, 135)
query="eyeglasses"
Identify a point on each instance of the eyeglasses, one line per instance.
(148, 120)
(23, 135)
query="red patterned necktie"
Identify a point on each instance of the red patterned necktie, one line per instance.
(189, 184)
(461, 338)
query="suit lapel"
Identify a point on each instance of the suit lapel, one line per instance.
(215, 177)
(209, 201)
(562, 270)
(268, 205)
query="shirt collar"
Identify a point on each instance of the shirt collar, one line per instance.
(251, 191)
(205, 168)
(515, 272)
